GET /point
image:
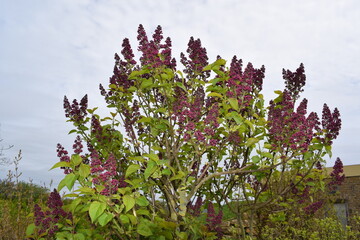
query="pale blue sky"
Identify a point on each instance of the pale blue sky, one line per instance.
(49, 49)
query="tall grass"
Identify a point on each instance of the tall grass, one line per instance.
(17, 200)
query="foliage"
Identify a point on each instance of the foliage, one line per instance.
(17, 200)
(312, 229)
(179, 142)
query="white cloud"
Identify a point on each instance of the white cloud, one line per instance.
(54, 48)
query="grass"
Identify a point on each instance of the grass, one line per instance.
(17, 200)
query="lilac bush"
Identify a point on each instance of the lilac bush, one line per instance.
(175, 135)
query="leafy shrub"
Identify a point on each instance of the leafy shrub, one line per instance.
(174, 137)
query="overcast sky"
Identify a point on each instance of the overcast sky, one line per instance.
(49, 49)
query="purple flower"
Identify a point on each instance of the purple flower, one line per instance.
(63, 155)
(289, 129)
(127, 52)
(195, 209)
(76, 112)
(313, 207)
(77, 146)
(198, 59)
(295, 81)
(331, 124)
(46, 221)
(337, 176)
(214, 220)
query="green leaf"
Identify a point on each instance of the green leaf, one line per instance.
(215, 94)
(143, 212)
(251, 141)
(150, 169)
(267, 155)
(60, 164)
(181, 85)
(144, 119)
(129, 202)
(152, 156)
(84, 170)
(96, 209)
(105, 218)
(207, 68)
(318, 146)
(146, 83)
(166, 172)
(215, 65)
(136, 183)
(76, 159)
(142, 201)
(134, 74)
(143, 229)
(238, 120)
(328, 150)
(234, 103)
(161, 110)
(85, 190)
(256, 159)
(132, 89)
(219, 62)
(132, 218)
(113, 86)
(30, 229)
(311, 184)
(68, 181)
(161, 126)
(131, 169)
(137, 158)
(71, 195)
(72, 131)
(124, 219)
(79, 236)
(180, 175)
(250, 124)
(268, 146)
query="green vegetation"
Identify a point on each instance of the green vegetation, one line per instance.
(17, 200)
(192, 154)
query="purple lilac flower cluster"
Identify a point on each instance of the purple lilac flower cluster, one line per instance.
(214, 220)
(197, 60)
(75, 111)
(195, 209)
(304, 195)
(190, 111)
(64, 157)
(295, 81)
(105, 173)
(290, 129)
(122, 68)
(47, 220)
(243, 84)
(77, 146)
(337, 175)
(155, 54)
(313, 207)
(63, 154)
(331, 124)
(96, 129)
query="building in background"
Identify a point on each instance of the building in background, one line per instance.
(348, 201)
